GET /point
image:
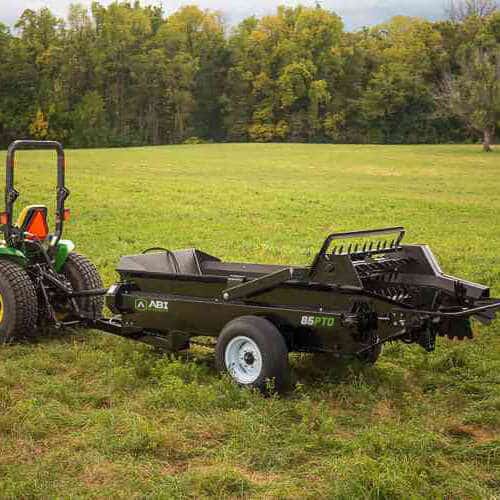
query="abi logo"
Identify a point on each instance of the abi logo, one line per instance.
(141, 305)
(146, 305)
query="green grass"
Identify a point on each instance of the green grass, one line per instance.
(89, 415)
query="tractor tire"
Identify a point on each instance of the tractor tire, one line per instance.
(254, 353)
(18, 303)
(83, 275)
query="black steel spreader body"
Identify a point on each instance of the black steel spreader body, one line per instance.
(362, 289)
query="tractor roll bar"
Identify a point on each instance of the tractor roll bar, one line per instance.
(11, 194)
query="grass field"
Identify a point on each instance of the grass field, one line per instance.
(88, 415)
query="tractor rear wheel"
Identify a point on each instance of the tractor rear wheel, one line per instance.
(83, 275)
(18, 302)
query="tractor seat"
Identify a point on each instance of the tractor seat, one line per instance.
(33, 220)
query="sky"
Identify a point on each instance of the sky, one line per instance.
(356, 13)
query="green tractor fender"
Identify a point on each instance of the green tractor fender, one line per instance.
(63, 249)
(13, 254)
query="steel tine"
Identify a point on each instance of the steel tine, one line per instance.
(341, 249)
(349, 249)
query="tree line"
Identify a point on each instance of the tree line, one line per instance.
(130, 75)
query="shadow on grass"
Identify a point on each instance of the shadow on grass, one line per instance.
(46, 335)
(311, 368)
(136, 364)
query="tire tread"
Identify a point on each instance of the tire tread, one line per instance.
(89, 278)
(272, 345)
(26, 312)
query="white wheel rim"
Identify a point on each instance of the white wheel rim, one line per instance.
(243, 360)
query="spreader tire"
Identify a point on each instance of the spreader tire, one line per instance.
(254, 353)
(18, 302)
(83, 275)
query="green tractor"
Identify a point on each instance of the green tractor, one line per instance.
(42, 281)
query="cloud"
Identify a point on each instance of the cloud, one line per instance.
(355, 13)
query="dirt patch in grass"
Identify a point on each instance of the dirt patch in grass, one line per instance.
(479, 434)
(383, 410)
(101, 474)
